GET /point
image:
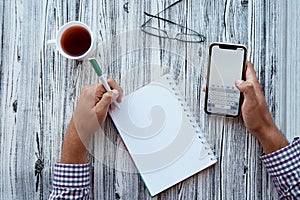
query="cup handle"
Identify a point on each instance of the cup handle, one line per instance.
(51, 42)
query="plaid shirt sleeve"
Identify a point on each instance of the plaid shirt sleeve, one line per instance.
(284, 168)
(71, 181)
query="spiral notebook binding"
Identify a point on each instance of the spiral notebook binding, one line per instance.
(191, 116)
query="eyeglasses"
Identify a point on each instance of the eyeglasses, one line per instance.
(188, 36)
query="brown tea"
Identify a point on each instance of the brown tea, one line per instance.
(76, 40)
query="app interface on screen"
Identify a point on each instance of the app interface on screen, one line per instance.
(226, 67)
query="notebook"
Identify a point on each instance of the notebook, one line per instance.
(161, 135)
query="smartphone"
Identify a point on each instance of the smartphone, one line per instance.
(226, 64)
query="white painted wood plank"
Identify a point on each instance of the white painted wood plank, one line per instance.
(19, 104)
(262, 43)
(224, 22)
(288, 81)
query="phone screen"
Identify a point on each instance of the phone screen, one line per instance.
(226, 65)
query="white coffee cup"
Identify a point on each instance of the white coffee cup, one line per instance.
(74, 40)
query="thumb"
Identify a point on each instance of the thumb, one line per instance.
(247, 88)
(102, 106)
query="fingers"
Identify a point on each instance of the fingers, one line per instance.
(250, 73)
(116, 95)
(97, 98)
(247, 88)
(251, 77)
(102, 106)
(100, 90)
(106, 99)
(114, 85)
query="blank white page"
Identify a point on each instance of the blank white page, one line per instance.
(162, 138)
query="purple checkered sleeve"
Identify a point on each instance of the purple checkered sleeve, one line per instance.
(284, 168)
(71, 181)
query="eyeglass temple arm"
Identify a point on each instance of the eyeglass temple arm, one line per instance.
(173, 4)
(149, 15)
(153, 16)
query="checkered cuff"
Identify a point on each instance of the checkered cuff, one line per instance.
(284, 160)
(284, 168)
(71, 175)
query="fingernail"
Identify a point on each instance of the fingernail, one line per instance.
(238, 82)
(116, 93)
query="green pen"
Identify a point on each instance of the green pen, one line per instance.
(98, 71)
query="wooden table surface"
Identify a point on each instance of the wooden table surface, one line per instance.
(39, 89)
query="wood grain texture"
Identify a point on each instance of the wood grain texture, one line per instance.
(39, 89)
(288, 81)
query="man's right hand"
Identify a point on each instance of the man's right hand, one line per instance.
(256, 115)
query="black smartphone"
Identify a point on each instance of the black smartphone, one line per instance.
(226, 64)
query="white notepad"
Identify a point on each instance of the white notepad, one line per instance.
(164, 141)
